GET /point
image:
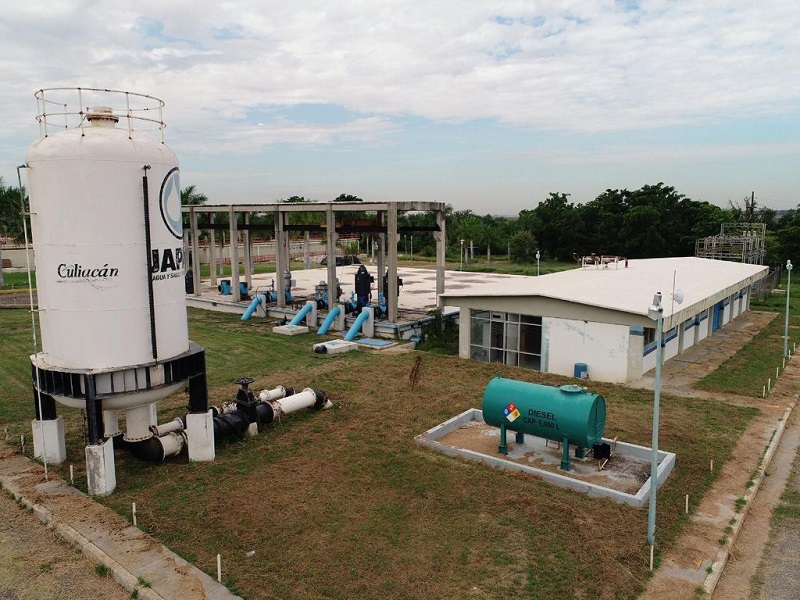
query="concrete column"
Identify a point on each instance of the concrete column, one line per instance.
(464, 332)
(280, 259)
(234, 246)
(195, 251)
(391, 233)
(248, 254)
(441, 246)
(287, 243)
(330, 251)
(307, 251)
(381, 252)
(212, 253)
(368, 327)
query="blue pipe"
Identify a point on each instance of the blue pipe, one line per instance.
(326, 324)
(252, 308)
(357, 325)
(298, 318)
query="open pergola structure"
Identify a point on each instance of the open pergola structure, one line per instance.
(382, 221)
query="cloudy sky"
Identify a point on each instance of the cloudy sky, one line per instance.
(486, 105)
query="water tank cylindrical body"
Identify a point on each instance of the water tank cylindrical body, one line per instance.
(550, 412)
(90, 238)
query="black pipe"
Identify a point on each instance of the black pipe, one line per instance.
(149, 250)
(265, 413)
(229, 424)
(150, 450)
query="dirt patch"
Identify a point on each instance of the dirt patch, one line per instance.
(38, 565)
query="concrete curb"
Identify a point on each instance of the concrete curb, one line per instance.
(722, 555)
(153, 579)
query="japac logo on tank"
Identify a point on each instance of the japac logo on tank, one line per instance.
(169, 202)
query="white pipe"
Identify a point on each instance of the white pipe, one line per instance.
(137, 424)
(111, 423)
(161, 430)
(290, 404)
(273, 394)
(172, 443)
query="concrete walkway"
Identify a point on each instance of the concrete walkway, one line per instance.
(135, 560)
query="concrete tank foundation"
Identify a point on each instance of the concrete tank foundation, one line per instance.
(48, 440)
(625, 478)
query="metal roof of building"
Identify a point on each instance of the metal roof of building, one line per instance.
(613, 292)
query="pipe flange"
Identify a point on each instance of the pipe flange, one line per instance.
(133, 440)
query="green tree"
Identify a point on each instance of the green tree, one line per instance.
(522, 245)
(347, 198)
(10, 212)
(191, 197)
(557, 223)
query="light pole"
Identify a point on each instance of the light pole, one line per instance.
(538, 254)
(656, 311)
(786, 326)
(461, 266)
(412, 247)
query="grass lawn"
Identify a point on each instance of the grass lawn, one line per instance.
(342, 504)
(15, 281)
(747, 371)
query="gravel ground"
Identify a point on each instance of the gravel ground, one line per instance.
(15, 299)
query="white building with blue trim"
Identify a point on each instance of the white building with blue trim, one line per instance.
(595, 318)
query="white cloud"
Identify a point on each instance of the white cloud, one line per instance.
(575, 66)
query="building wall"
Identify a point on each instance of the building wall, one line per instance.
(635, 353)
(613, 353)
(603, 347)
(689, 332)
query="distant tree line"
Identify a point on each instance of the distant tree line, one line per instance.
(651, 222)
(654, 221)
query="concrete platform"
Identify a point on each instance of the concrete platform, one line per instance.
(290, 329)
(417, 296)
(625, 478)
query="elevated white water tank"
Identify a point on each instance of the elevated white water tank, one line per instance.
(107, 235)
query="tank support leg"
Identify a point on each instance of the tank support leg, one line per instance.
(503, 449)
(94, 411)
(580, 452)
(520, 439)
(565, 455)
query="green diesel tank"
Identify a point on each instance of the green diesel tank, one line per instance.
(567, 413)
